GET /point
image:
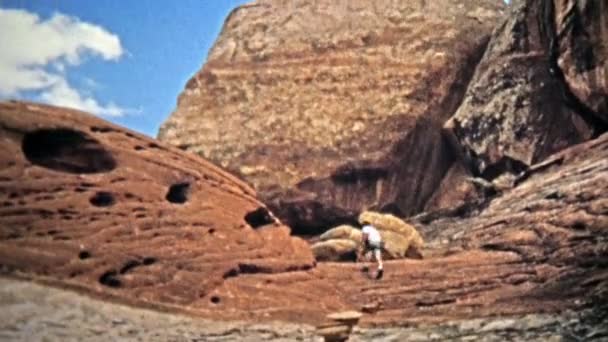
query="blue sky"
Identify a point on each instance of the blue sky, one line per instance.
(146, 52)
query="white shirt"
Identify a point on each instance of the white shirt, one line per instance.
(372, 233)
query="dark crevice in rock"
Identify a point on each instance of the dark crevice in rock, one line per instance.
(231, 273)
(129, 265)
(246, 268)
(552, 37)
(109, 279)
(259, 217)
(351, 174)
(428, 303)
(84, 255)
(504, 165)
(178, 193)
(66, 150)
(102, 199)
(215, 299)
(149, 261)
(97, 129)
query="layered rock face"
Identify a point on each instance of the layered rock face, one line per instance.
(88, 205)
(91, 205)
(316, 103)
(540, 87)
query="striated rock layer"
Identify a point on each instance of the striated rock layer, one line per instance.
(69, 216)
(315, 103)
(94, 206)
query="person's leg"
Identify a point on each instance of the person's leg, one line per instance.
(378, 255)
(367, 256)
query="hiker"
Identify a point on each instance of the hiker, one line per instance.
(372, 244)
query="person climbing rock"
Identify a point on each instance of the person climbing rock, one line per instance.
(372, 244)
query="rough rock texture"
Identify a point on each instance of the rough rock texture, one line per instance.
(582, 52)
(95, 206)
(540, 87)
(335, 250)
(538, 248)
(315, 103)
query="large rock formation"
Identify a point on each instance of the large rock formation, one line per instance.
(318, 103)
(88, 205)
(541, 86)
(92, 205)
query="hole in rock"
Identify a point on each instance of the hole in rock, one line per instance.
(259, 217)
(211, 231)
(579, 225)
(84, 255)
(101, 129)
(153, 145)
(129, 265)
(66, 150)
(102, 199)
(178, 193)
(138, 148)
(149, 261)
(13, 235)
(230, 273)
(109, 279)
(215, 299)
(504, 165)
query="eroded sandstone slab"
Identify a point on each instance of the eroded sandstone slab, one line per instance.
(94, 206)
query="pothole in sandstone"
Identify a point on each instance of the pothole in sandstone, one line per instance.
(178, 193)
(102, 199)
(109, 279)
(66, 150)
(259, 217)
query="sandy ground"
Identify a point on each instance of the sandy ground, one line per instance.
(33, 312)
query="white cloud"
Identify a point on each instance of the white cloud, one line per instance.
(37, 54)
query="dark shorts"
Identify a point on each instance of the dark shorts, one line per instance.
(370, 246)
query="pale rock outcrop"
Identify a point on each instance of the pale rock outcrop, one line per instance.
(335, 250)
(400, 239)
(304, 98)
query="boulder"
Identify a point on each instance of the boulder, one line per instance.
(391, 223)
(342, 232)
(336, 250)
(318, 104)
(400, 239)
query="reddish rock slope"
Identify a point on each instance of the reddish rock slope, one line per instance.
(92, 205)
(84, 205)
(317, 103)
